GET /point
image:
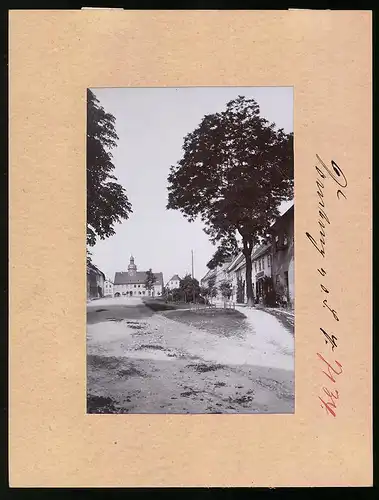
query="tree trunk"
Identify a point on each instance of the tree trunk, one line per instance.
(247, 251)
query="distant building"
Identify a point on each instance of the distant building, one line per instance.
(219, 275)
(95, 282)
(131, 283)
(108, 287)
(173, 283)
(237, 277)
(261, 268)
(262, 264)
(282, 250)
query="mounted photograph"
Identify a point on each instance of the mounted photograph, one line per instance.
(190, 250)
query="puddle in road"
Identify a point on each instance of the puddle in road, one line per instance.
(202, 367)
(131, 372)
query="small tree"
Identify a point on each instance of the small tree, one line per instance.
(212, 287)
(190, 288)
(226, 289)
(150, 280)
(176, 295)
(204, 291)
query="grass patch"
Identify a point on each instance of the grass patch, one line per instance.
(223, 322)
(159, 305)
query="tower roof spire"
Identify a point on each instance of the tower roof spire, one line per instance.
(132, 268)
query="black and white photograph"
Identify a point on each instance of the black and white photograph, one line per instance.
(190, 250)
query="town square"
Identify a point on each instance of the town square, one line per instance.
(190, 251)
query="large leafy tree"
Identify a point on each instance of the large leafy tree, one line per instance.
(236, 170)
(107, 202)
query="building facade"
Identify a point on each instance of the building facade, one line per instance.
(218, 275)
(237, 275)
(272, 272)
(108, 288)
(95, 282)
(282, 250)
(262, 271)
(131, 283)
(173, 283)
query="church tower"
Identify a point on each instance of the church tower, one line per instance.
(132, 268)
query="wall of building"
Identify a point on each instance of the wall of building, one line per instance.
(260, 267)
(108, 288)
(283, 257)
(95, 284)
(171, 285)
(137, 290)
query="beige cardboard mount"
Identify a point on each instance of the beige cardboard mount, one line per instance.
(54, 57)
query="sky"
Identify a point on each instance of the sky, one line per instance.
(151, 124)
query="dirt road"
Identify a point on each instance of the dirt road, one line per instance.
(144, 362)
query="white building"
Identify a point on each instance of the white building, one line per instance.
(261, 268)
(219, 275)
(132, 283)
(173, 283)
(108, 287)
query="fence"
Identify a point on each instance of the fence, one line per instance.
(217, 305)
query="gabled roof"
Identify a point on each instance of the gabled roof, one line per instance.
(211, 272)
(124, 278)
(240, 261)
(237, 260)
(175, 278)
(260, 251)
(288, 213)
(94, 269)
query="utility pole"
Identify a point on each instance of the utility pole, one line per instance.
(193, 279)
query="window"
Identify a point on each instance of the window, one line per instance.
(285, 239)
(135, 286)
(268, 260)
(255, 265)
(278, 279)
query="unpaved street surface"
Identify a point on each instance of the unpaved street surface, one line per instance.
(139, 361)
